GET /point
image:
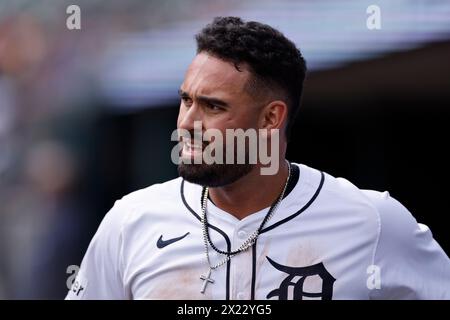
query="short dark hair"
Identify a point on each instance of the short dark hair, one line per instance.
(274, 60)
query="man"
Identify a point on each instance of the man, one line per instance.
(228, 231)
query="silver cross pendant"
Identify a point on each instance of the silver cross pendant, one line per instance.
(206, 279)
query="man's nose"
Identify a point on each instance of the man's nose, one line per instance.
(188, 117)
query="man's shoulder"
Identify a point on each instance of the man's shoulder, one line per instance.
(146, 202)
(153, 198)
(342, 191)
(162, 191)
(382, 203)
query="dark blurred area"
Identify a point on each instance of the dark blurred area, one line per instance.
(86, 115)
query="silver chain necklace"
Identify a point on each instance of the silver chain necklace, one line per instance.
(245, 245)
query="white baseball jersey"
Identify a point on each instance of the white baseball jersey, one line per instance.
(327, 240)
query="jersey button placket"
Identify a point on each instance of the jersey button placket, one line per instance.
(240, 263)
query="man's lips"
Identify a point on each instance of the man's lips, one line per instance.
(191, 148)
(193, 145)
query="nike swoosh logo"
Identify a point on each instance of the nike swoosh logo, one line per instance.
(163, 243)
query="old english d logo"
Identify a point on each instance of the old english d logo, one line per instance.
(302, 273)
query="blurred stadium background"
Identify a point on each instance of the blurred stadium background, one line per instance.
(86, 115)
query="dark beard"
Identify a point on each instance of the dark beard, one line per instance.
(213, 175)
(216, 174)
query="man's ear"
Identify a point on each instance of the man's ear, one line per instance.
(274, 115)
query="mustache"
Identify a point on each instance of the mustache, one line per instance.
(193, 137)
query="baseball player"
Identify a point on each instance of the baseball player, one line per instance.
(227, 231)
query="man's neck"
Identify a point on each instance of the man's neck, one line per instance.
(251, 193)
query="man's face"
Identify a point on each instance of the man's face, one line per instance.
(214, 92)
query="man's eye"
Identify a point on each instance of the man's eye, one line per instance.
(187, 101)
(214, 107)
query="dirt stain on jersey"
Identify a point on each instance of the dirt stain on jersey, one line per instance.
(302, 255)
(183, 285)
(299, 255)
